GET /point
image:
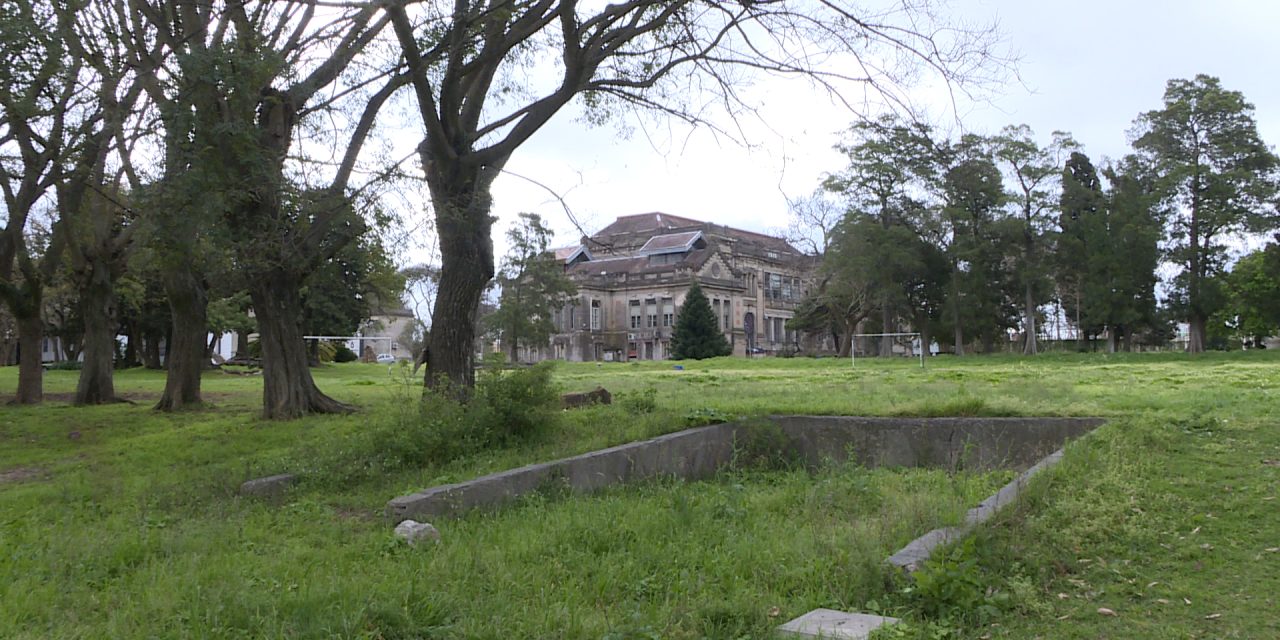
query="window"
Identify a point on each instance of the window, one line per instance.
(773, 286)
(650, 313)
(595, 315)
(635, 314)
(569, 319)
(728, 315)
(668, 312)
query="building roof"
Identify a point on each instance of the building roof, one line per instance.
(671, 243)
(568, 255)
(627, 231)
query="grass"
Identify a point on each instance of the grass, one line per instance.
(117, 521)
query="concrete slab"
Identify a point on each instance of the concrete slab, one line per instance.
(829, 623)
(267, 487)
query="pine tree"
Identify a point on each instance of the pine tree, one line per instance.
(697, 333)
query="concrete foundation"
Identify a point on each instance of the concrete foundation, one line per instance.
(953, 443)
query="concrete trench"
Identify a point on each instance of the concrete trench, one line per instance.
(979, 444)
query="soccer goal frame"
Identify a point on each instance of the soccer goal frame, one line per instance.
(853, 346)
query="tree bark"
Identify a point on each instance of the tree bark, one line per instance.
(98, 309)
(959, 338)
(30, 367)
(288, 390)
(466, 250)
(184, 352)
(1030, 347)
(1196, 333)
(151, 352)
(886, 326)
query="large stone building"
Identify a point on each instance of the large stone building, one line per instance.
(634, 274)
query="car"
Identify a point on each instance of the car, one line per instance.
(386, 358)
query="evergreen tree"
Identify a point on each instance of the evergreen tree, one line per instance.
(697, 333)
(1217, 179)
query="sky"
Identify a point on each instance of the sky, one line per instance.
(1087, 67)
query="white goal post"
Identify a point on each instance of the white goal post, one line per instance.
(853, 345)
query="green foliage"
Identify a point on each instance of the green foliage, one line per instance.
(342, 353)
(348, 288)
(1253, 290)
(697, 334)
(762, 445)
(1216, 178)
(641, 401)
(953, 586)
(533, 287)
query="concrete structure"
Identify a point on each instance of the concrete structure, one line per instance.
(387, 331)
(970, 443)
(634, 274)
(834, 625)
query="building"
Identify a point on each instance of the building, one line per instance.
(634, 274)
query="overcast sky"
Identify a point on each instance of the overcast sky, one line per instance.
(1087, 67)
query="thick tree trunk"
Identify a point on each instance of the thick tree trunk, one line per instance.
(184, 351)
(151, 352)
(30, 367)
(1030, 347)
(466, 251)
(1196, 333)
(1113, 339)
(98, 309)
(288, 391)
(242, 343)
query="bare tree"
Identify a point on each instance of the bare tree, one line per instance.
(479, 97)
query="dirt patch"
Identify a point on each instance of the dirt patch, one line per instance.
(20, 474)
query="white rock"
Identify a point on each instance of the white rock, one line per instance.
(414, 532)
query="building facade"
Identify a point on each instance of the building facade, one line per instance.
(633, 276)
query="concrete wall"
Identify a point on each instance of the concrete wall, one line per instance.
(970, 443)
(951, 443)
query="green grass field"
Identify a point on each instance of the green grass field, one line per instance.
(121, 522)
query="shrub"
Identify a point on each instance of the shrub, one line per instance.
(515, 404)
(640, 402)
(344, 354)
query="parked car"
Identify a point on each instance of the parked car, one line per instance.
(386, 358)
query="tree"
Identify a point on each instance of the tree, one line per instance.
(890, 164)
(234, 83)
(697, 334)
(1034, 170)
(41, 125)
(1215, 177)
(980, 286)
(533, 287)
(1253, 289)
(1080, 202)
(478, 103)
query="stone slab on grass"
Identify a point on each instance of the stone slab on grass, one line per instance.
(269, 486)
(829, 623)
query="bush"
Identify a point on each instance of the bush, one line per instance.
(640, 402)
(343, 354)
(516, 404)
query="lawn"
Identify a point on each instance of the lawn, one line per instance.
(118, 521)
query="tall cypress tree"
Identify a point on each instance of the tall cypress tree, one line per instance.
(697, 333)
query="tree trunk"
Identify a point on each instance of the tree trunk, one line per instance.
(151, 352)
(184, 351)
(466, 252)
(1113, 338)
(846, 343)
(131, 347)
(1030, 347)
(886, 324)
(98, 309)
(288, 391)
(30, 367)
(242, 343)
(1196, 333)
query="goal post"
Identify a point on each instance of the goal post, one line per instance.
(853, 344)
